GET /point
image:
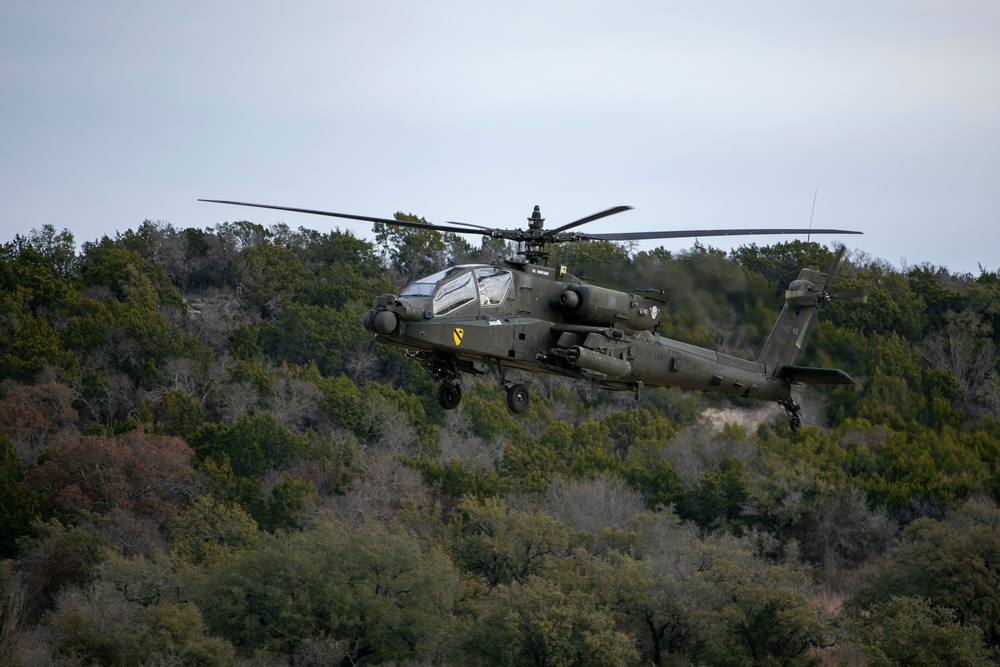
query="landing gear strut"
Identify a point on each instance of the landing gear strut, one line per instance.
(518, 397)
(795, 421)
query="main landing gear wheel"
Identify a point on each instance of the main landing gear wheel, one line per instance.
(518, 398)
(450, 395)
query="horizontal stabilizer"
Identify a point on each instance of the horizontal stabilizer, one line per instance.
(806, 375)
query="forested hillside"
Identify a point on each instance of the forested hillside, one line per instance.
(207, 461)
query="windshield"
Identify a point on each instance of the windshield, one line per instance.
(458, 285)
(455, 294)
(425, 286)
(493, 286)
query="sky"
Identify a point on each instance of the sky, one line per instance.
(709, 114)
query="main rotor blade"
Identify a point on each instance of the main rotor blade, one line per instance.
(589, 218)
(693, 233)
(349, 216)
(488, 230)
(857, 294)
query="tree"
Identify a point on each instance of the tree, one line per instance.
(779, 264)
(653, 607)
(103, 623)
(253, 444)
(207, 529)
(129, 277)
(502, 545)
(594, 506)
(380, 592)
(953, 563)
(757, 620)
(35, 416)
(32, 347)
(719, 498)
(905, 631)
(59, 556)
(15, 635)
(964, 349)
(411, 252)
(137, 471)
(269, 277)
(535, 623)
(18, 507)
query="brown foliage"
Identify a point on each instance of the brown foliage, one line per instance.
(137, 472)
(33, 416)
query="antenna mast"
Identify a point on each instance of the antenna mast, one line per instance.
(809, 235)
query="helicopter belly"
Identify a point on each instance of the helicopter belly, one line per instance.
(511, 341)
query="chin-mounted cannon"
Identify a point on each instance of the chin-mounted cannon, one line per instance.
(588, 304)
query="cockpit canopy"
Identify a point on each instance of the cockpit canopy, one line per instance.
(460, 285)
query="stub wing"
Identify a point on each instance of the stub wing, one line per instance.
(807, 375)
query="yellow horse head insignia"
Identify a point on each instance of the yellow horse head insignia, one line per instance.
(457, 334)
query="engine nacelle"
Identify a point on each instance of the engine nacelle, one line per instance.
(605, 307)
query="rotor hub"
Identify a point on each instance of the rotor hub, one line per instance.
(536, 220)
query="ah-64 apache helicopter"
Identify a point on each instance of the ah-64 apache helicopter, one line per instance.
(525, 315)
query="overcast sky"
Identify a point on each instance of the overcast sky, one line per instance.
(699, 114)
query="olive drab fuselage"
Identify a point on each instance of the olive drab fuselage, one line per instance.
(488, 318)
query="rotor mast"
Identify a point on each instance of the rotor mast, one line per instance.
(535, 239)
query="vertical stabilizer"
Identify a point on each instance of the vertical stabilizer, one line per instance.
(795, 324)
(791, 332)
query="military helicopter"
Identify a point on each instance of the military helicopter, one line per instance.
(523, 314)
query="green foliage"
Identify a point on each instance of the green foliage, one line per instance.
(103, 624)
(29, 347)
(293, 413)
(300, 334)
(953, 564)
(700, 288)
(381, 593)
(590, 260)
(18, 507)
(919, 467)
(179, 413)
(503, 545)
(410, 252)
(454, 479)
(208, 529)
(253, 444)
(563, 450)
(911, 631)
(757, 620)
(344, 402)
(59, 556)
(719, 497)
(127, 275)
(411, 408)
(892, 307)
(270, 277)
(535, 622)
(780, 263)
(655, 477)
(287, 500)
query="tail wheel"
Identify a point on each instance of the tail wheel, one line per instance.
(450, 395)
(518, 398)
